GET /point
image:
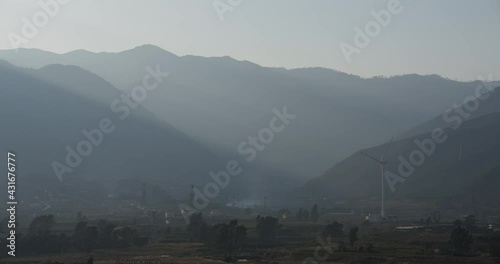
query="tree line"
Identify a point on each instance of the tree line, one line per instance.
(40, 237)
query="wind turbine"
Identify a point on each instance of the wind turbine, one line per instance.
(47, 206)
(382, 163)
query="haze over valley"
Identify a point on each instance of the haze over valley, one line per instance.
(250, 131)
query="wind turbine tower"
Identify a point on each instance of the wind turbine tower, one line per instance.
(382, 163)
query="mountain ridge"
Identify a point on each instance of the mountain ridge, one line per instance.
(221, 101)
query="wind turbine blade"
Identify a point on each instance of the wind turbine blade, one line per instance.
(370, 157)
(386, 149)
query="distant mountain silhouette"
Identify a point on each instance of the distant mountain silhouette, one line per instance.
(221, 101)
(467, 162)
(45, 110)
(490, 104)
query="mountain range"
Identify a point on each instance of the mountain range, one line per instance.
(197, 117)
(45, 112)
(465, 160)
(221, 101)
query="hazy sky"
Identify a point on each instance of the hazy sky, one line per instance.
(458, 39)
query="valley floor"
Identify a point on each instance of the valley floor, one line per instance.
(297, 243)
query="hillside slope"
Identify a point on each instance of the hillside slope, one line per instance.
(45, 111)
(467, 161)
